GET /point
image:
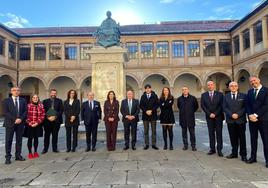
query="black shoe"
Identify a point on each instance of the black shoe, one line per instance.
(88, 149)
(133, 148)
(251, 160)
(146, 147)
(231, 156)
(8, 161)
(126, 148)
(194, 148)
(20, 158)
(68, 150)
(56, 151)
(220, 154)
(171, 147)
(44, 151)
(185, 148)
(266, 165)
(165, 148)
(94, 149)
(211, 152)
(244, 158)
(73, 150)
(155, 147)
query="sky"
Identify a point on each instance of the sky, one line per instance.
(55, 13)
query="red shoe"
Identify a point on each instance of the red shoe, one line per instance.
(36, 155)
(30, 156)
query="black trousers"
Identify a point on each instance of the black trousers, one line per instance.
(10, 131)
(146, 132)
(91, 135)
(130, 128)
(254, 128)
(53, 130)
(167, 131)
(215, 133)
(237, 133)
(71, 132)
(191, 129)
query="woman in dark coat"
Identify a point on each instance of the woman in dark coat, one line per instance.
(167, 116)
(33, 129)
(71, 111)
(111, 118)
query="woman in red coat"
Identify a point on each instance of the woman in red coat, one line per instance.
(111, 118)
(33, 129)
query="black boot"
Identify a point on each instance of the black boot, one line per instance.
(165, 137)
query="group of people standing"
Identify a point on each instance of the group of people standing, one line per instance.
(30, 120)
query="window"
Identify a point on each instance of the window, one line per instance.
(193, 48)
(54, 51)
(236, 44)
(246, 41)
(225, 47)
(2, 46)
(70, 52)
(162, 49)
(147, 50)
(12, 50)
(132, 49)
(84, 51)
(177, 49)
(25, 52)
(209, 48)
(40, 52)
(258, 32)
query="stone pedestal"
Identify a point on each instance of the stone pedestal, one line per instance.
(108, 72)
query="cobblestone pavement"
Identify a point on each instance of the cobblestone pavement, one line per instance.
(134, 169)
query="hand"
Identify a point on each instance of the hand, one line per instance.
(51, 118)
(72, 119)
(132, 117)
(235, 116)
(18, 121)
(253, 118)
(212, 115)
(110, 119)
(34, 125)
(149, 112)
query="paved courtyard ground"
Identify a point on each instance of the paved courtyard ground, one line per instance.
(135, 169)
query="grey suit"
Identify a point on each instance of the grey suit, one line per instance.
(236, 127)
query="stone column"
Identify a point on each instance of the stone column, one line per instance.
(241, 45)
(6, 51)
(217, 51)
(32, 54)
(170, 51)
(63, 54)
(185, 52)
(264, 32)
(78, 55)
(47, 54)
(201, 49)
(252, 41)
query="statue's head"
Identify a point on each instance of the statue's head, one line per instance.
(109, 14)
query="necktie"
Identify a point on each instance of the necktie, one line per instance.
(148, 96)
(16, 106)
(255, 93)
(90, 105)
(211, 96)
(129, 106)
(233, 96)
(52, 103)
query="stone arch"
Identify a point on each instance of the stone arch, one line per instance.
(221, 80)
(85, 86)
(242, 77)
(33, 85)
(133, 84)
(263, 74)
(157, 81)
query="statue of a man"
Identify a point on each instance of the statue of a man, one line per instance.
(108, 34)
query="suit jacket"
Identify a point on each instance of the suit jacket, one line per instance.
(91, 116)
(72, 110)
(167, 115)
(214, 106)
(237, 106)
(58, 107)
(187, 107)
(111, 110)
(135, 110)
(259, 105)
(149, 104)
(10, 112)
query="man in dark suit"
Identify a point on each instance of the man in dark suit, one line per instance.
(234, 106)
(187, 105)
(257, 110)
(130, 116)
(91, 115)
(211, 103)
(15, 113)
(54, 109)
(149, 104)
